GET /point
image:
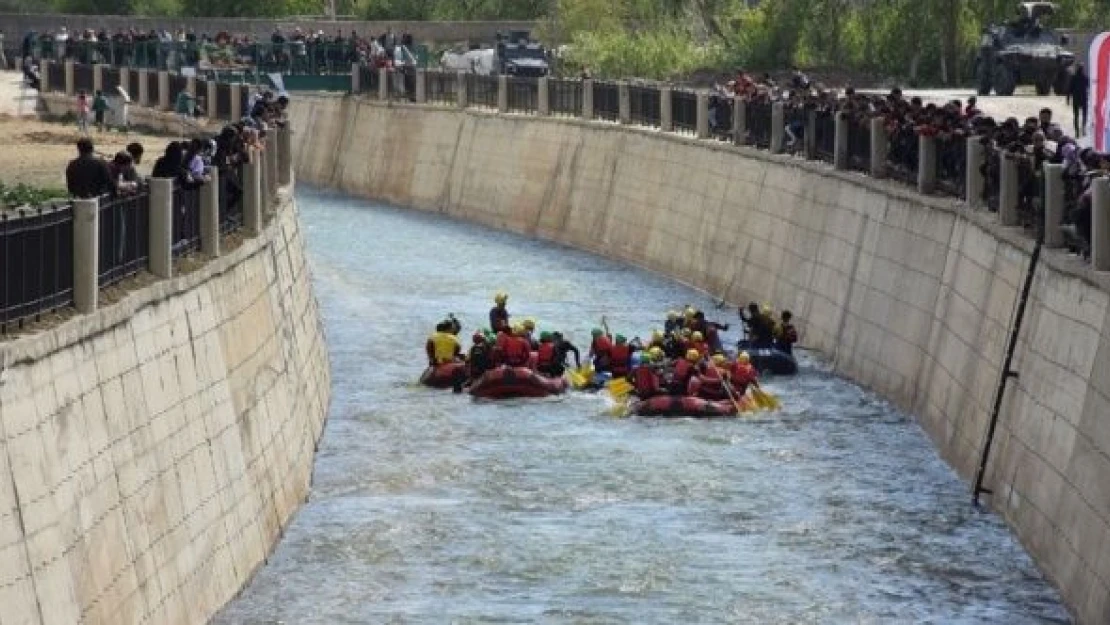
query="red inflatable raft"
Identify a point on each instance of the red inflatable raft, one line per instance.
(682, 406)
(505, 382)
(444, 376)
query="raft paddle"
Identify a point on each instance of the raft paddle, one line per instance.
(731, 395)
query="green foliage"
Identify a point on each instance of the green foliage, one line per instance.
(24, 195)
(665, 51)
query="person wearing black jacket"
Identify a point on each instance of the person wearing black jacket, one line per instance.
(1077, 93)
(87, 176)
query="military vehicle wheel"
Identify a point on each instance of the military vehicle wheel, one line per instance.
(982, 78)
(1044, 86)
(1003, 80)
(1061, 85)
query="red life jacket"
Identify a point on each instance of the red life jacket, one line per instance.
(743, 374)
(602, 349)
(516, 351)
(702, 347)
(545, 355)
(646, 382)
(619, 357)
(683, 370)
(708, 385)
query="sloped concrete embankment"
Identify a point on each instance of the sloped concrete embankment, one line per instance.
(908, 295)
(152, 452)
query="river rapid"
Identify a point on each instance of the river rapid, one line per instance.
(428, 507)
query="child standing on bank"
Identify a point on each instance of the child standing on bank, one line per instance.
(83, 113)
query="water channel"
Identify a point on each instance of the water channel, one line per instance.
(430, 508)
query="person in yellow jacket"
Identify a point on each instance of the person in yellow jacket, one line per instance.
(443, 346)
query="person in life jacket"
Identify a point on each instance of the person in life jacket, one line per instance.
(760, 325)
(499, 315)
(620, 357)
(480, 358)
(442, 347)
(709, 381)
(657, 339)
(743, 374)
(545, 356)
(645, 378)
(786, 335)
(563, 348)
(529, 330)
(684, 369)
(709, 329)
(697, 341)
(688, 315)
(673, 322)
(600, 350)
(515, 351)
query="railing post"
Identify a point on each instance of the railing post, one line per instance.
(272, 175)
(739, 120)
(161, 227)
(880, 147)
(624, 103)
(210, 214)
(383, 84)
(98, 77)
(1053, 204)
(86, 254)
(285, 155)
(144, 88)
(1008, 190)
(666, 109)
(236, 90)
(543, 96)
(191, 87)
(926, 164)
(840, 140)
(460, 90)
(252, 194)
(502, 94)
(356, 76)
(44, 79)
(975, 181)
(1100, 224)
(778, 127)
(210, 99)
(264, 184)
(588, 98)
(702, 101)
(421, 86)
(163, 90)
(809, 136)
(70, 84)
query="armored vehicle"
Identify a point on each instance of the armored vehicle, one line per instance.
(1023, 52)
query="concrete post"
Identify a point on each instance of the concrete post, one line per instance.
(86, 254)
(840, 140)
(263, 184)
(974, 180)
(125, 80)
(70, 84)
(666, 109)
(588, 98)
(144, 88)
(421, 86)
(460, 90)
(285, 156)
(252, 195)
(356, 76)
(210, 99)
(383, 84)
(809, 136)
(1100, 224)
(236, 102)
(543, 96)
(502, 94)
(702, 100)
(624, 103)
(739, 120)
(778, 127)
(161, 227)
(272, 176)
(880, 148)
(98, 77)
(44, 79)
(1053, 204)
(1008, 191)
(926, 164)
(164, 90)
(191, 86)
(210, 214)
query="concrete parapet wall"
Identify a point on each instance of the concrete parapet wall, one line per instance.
(909, 295)
(152, 452)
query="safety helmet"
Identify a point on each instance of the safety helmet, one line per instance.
(743, 357)
(518, 328)
(686, 333)
(479, 337)
(672, 315)
(656, 336)
(696, 336)
(501, 297)
(693, 355)
(545, 336)
(656, 353)
(529, 324)
(690, 311)
(621, 340)
(719, 359)
(596, 332)
(767, 310)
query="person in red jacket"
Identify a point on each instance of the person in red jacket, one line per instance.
(684, 369)
(516, 351)
(709, 382)
(620, 357)
(601, 350)
(743, 374)
(645, 378)
(545, 356)
(697, 341)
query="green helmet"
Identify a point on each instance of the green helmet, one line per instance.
(596, 332)
(621, 340)
(545, 336)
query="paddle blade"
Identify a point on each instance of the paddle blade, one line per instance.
(765, 400)
(619, 387)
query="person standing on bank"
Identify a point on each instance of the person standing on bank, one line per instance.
(1077, 92)
(99, 107)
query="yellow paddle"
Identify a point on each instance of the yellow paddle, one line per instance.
(765, 400)
(619, 387)
(732, 395)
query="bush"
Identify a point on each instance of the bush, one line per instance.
(24, 195)
(661, 53)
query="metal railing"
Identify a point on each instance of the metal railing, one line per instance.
(902, 153)
(684, 111)
(109, 79)
(153, 88)
(132, 86)
(124, 237)
(951, 174)
(566, 96)
(859, 143)
(523, 94)
(56, 76)
(442, 88)
(720, 117)
(36, 262)
(369, 80)
(482, 90)
(222, 107)
(230, 199)
(644, 105)
(757, 121)
(796, 118)
(83, 78)
(824, 134)
(607, 101)
(186, 218)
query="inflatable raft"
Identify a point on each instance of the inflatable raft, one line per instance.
(769, 360)
(682, 406)
(507, 382)
(445, 375)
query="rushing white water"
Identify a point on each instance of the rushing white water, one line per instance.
(429, 507)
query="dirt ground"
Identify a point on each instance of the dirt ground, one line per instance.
(36, 152)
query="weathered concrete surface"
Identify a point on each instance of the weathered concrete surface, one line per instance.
(152, 452)
(908, 295)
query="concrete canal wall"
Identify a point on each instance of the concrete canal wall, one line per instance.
(908, 295)
(152, 452)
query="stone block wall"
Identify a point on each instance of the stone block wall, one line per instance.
(908, 295)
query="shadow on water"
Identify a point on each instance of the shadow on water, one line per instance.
(431, 508)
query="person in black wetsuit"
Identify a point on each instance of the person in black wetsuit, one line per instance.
(563, 347)
(499, 315)
(760, 327)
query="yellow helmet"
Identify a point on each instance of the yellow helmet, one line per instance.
(529, 324)
(696, 336)
(656, 353)
(719, 359)
(501, 297)
(656, 336)
(767, 309)
(672, 315)
(690, 312)
(686, 333)
(743, 357)
(693, 355)
(518, 328)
